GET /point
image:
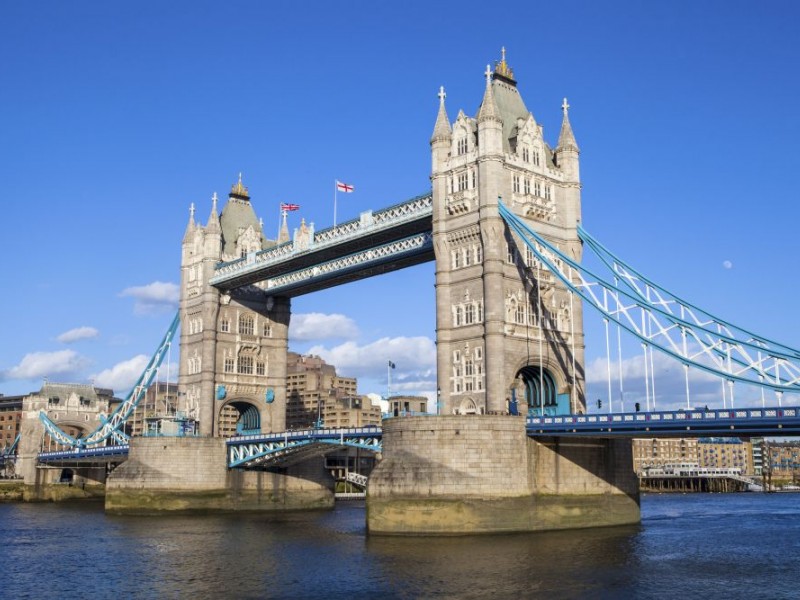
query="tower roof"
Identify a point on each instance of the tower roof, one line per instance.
(237, 216)
(566, 139)
(508, 104)
(442, 130)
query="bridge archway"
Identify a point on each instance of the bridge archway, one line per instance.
(467, 407)
(238, 417)
(539, 386)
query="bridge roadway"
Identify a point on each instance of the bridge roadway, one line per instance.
(264, 450)
(378, 242)
(675, 423)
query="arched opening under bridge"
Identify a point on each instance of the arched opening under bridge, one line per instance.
(540, 388)
(239, 417)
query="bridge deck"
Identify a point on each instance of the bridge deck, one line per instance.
(680, 423)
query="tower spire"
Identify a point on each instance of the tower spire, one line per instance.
(190, 227)
(442, 130)
(566, 139)
(283, 234)
(213, 218)
(488, 110)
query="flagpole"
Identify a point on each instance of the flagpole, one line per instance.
(335, 190)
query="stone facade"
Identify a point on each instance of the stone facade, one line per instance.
(481, 474)
(233, 345)
(188, 474)
(505, 326)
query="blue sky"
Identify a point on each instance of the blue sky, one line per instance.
(116, 116)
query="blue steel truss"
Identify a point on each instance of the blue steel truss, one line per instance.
(394, 237)
(9, 451)
(691, 423)
(83, 456)
(662, 320)
(111, 427)
(275, 449)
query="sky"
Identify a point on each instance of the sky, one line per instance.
(115, 117)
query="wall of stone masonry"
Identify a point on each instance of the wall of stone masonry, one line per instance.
(482, 474)
(191, 474)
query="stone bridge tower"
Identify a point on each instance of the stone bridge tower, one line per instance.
(506, 328)
(233, 345)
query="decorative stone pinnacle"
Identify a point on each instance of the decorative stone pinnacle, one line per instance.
(214, 199)
(565, 106)
(191, 211)
(488, 74)
(441, 94)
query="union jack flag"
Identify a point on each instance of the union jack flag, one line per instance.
(290, 207)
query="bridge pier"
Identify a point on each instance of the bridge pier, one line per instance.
(191, 474)
(472, 474)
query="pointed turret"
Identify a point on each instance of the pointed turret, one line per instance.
(213, 219)
(283, 234)
(566, 139)
(442, 130)
(488, 110)
(191, 226)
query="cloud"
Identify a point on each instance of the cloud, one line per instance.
(319, 326)
(154, 298)
(727, 264)
(79, 333)
(410, 354)
(123, 375)
(47, 364)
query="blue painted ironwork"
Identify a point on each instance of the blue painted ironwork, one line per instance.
(370, 229)
(264, 450)
(112, 426)
(85, 455)
(665, 322)
(684, 423)
(9, 451)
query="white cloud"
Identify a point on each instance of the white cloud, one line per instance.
(122, 376)
(79, 333)
(153, 298)
(727, 264)
(410, 355)
(319, 326)
(47, 364)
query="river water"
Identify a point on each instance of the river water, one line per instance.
(688, 546)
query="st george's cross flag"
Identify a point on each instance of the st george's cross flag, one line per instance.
(290, 207)
(344, 187)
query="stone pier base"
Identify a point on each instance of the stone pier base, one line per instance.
(452, 475)
(191, 474)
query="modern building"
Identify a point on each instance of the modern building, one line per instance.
(659, 452)
(408, 405)
(10, 416)
(735, 453)
(316, 393)
(160, 400)
(782, 461)
(711, 453)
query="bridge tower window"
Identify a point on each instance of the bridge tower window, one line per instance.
(527, 186)
(526, 154)
(246, 324)
(225, 325)
(463, 181)
(515, 184)
(229, 364)
(462, 146)
(246, 365)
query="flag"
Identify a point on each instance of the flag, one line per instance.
(344, 187)
(290, 207)
(391, 365)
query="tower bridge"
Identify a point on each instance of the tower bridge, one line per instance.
(503, 223)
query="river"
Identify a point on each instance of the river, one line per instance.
(689, 546)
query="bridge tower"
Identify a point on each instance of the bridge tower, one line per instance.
(506, 328)
(233, 344)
